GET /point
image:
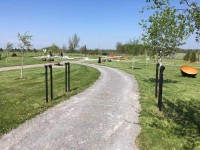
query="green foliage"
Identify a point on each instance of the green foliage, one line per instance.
(190, 56)
(9, 46)
(84, 50)
(120, 48)
(169, 26)
(24, 41)
(24, 44)
(187, 56)
(188, 14)
(54, 48)
(64, 48)
(132, 47)
(193, 56)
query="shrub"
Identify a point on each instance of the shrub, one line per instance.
(14, 55)
(193, 57)
(187, 56)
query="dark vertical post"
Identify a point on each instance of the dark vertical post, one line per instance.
(65, 77)
(156, 85)
(99, 61)
(51, 81)
(162, 68)
(46, 82)
(68, 87)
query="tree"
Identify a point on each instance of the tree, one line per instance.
(193, 56)
(133, 47)
(9, 47)
(54, 48)
(189, 14)
(73, 42)
(120, 47)
(168, 27)
(84, 50)
(187, 56)
(64, 48)
(23, 45)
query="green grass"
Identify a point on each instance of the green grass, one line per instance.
(29, 58)
(21, 100)
(16, 61)
(178, 125)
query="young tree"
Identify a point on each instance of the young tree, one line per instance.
(64, 48)
(168, 27)
(54, 48)
(84, 50)
(133, 47)
(73, 42)
(193, 56)
(9, 47)
(23, 45)
(187, 56)
(188, 12)
(120, 47)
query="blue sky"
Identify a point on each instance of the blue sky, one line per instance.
(98, 23)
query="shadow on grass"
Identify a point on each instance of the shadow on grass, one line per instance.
(137, 68)
(185, 114)
(134, 68)
(63, 95)
(166, 81)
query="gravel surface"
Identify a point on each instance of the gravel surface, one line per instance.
(103, 117)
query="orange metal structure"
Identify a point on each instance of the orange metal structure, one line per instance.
(189, 71)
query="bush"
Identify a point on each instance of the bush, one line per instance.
(187, 56)
(0, 56)
(14, 55)
(193, 57)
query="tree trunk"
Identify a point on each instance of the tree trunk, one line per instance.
(22, 65)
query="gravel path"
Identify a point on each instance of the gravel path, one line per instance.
(19, 67)
(103, 117)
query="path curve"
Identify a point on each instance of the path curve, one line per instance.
(103, 117)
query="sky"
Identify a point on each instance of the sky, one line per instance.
(99, 23)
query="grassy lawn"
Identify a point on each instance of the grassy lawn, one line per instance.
(16, 61)
(21, 100)
(29, 58)
(177, 127)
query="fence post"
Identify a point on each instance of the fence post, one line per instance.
(99, 61)
(46, 81)
(156, 85)
(68, 88)
(51, 81)
(162, 68)
(67, 77)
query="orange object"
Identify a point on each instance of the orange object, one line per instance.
(189, 71)
(112, 54)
